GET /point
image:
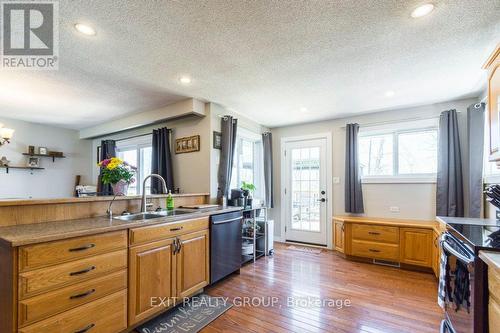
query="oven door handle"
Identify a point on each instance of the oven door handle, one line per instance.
(446, 246)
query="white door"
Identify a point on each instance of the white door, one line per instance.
(306, 191)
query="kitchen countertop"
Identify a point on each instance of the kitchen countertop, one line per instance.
(25, 202)
(492, 259)
(388, 221)
(27, 234)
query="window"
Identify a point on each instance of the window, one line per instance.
(137, 152)
(248, 164)
(403, 151)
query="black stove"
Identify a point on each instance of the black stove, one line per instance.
(478, 237)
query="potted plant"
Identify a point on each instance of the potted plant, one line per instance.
(118, 173)
(248, 189)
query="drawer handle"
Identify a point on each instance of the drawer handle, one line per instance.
(373, 250)
(85, 294)
(86, 329)
(373, 233)
(176, 229)
(82, 271)
(83, 248)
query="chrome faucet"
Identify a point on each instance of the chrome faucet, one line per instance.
(144, 208)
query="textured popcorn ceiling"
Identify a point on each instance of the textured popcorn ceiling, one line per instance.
(264, 59)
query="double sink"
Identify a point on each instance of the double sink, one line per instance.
(154, 215)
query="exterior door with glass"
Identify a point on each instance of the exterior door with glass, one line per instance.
(306, 191)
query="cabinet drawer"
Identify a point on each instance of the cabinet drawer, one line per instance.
(50, 278)
(375, 233)
(46, 254)
(49, 304)
(375, 250)
(106, 315)
(494, 282)
(162, 231)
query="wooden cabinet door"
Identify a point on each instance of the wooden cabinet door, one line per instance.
(151, 279)
(436, 256)
(339, 236)
(416, 246)
(193, 270)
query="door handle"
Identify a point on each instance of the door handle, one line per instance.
(83, 271)
(322, 200)
(86, 329)
(176, 246)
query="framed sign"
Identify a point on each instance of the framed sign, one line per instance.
(187, 144)
(217, 140)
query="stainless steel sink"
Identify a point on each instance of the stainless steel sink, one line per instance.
(138, 217)
(153, 215)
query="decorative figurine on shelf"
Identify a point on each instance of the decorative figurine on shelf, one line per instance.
(118, 173)
(4, 161)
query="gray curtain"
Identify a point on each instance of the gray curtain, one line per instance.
(228, 143)
(161, 160)
(449, 191)
(353, 191)
(108, 150)
(475, 142)
(267, 143)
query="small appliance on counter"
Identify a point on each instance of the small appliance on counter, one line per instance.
(237, 199)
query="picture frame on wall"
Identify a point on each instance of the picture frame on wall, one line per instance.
(187, 144)
(217, 136)
(33, 162)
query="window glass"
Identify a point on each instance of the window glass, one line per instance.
(137, 152)
(398, 152)
(376, 155)
(417, 152)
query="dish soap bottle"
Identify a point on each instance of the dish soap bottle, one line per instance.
(170, 201)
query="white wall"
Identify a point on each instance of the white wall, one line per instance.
(58, 179)
(416, 201)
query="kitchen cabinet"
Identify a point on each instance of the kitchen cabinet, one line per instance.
(151, 278)
(396, 241)
(492, 65)
(436, 254)
(164, 271)
(416, 246)
(339, 236)
(193, 272)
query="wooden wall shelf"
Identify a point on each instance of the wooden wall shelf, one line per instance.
(41, 155)
(19, 168)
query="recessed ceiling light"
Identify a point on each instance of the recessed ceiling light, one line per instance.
(422, 10)
(389, 93)
(185, 79)
(85, 29)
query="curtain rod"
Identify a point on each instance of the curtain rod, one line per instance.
(388, 122)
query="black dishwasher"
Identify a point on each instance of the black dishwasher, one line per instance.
(225, 244)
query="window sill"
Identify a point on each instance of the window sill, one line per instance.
(491, 179)
(399, 180)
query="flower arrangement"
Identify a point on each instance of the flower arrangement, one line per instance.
(118, 173)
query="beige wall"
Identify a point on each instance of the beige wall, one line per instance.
(415, 201)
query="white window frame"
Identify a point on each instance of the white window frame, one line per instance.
(137, 144)
(396, 177)
(258, 164)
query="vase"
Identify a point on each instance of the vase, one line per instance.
(120, 188)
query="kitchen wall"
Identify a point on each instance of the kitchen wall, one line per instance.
(193, 172)
(58, 179)
(415, 201)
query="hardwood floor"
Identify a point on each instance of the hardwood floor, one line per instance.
(383, 299)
